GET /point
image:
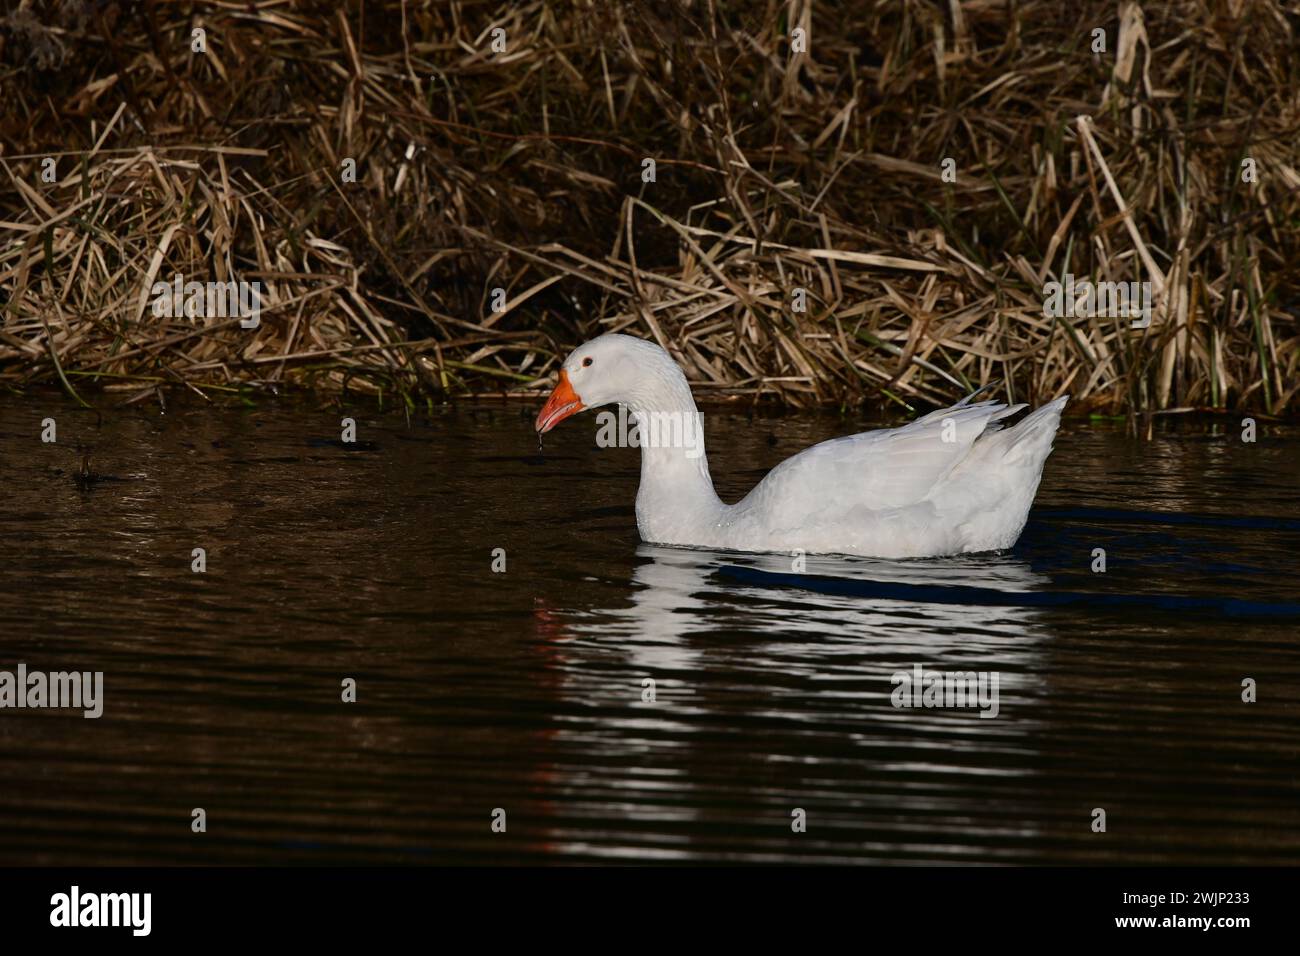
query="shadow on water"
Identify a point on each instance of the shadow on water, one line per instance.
(527, 690)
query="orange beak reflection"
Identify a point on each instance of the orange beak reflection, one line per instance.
(563, 402)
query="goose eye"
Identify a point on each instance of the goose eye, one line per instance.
(587, 361)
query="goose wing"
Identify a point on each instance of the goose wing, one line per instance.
(882, 470)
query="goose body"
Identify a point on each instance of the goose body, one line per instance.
(954, 481)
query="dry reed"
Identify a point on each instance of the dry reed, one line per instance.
(777, 170)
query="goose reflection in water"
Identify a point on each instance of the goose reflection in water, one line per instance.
(832, 607)
(781, 693)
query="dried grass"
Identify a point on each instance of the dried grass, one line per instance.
(776, 170)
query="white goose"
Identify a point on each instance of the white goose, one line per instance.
(954, 481)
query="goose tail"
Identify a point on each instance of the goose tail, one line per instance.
(1032, 438)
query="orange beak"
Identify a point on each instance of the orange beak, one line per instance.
(563, 402)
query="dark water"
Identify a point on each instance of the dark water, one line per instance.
(523, 690)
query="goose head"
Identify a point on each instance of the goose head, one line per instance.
(610, 369)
